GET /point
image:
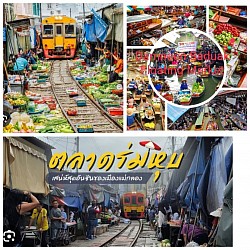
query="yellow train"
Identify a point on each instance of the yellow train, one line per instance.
(133, 205)
(59, 37)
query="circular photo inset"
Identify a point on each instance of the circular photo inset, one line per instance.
(186, 67)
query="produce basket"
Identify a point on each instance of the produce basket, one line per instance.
(84, 128)
(81, 103)
(115, 111)
(109, 105)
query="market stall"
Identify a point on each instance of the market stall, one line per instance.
(141, 100)
(146, 24)
(228, 25)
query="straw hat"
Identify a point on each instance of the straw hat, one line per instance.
(149, 114)
(130, 111)
(217, 212)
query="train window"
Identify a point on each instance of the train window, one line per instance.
(134, 200)
(59, 30)
(48, 29)
(140, 199)
(127, 200)
(69, 29)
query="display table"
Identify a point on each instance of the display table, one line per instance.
(71, 227)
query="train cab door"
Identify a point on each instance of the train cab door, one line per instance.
(59, 39)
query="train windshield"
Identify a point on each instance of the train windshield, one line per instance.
(140, 199)
(59, 30)
(127, 200)
(134, 200)
(48, 29)
(69, 29)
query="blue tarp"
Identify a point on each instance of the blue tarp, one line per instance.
(106, 199)
(188, 190)
(218, 177)
(97, 29)
(101, 28)
(90, 32)
(73, 199)
(174, 113)
(73, 202)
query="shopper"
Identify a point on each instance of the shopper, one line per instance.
(56, 221)
(41, 216)
(16, 204)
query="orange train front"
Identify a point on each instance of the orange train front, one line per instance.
(133, 205)
(59, 37)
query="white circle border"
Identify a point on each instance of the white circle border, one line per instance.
(212, 96)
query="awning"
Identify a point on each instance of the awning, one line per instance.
(21, 23)
(199, 119)
(25, 168)
(174, 113)
(118, 24)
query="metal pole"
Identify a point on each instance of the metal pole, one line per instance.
(112, 35)
(77, 149)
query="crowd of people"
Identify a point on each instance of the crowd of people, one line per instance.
(94, 54)
(23, 211)
(232, 117)
(190, 228)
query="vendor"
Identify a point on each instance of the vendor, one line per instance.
(149, 116)
(181, 22)
(132, 85)
(194, 233)
(130, 117)
(199, 80)
(118, 69)
(184, 84)
(21, 64)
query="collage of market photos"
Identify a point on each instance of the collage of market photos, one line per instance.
(128, 115)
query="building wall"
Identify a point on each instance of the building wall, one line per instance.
(74, 10)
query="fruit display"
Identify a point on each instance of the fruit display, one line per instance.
(197, 89)
(165, 243)
(184, 96)
(18, 128)
(227, 29)
(16, 99)
(71, 112)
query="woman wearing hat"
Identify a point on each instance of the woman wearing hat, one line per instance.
(199, 80)
(216, 214)
(184, 84)
(130, 117)
(149, 116)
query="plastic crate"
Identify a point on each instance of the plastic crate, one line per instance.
(115, 111)
(81, 103)
(111, 105)
(84, 130)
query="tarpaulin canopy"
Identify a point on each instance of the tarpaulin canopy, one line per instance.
(179, 175)
(188, 192)
(174, 113)
(71, 199)
(217, 178)
(118, 23)
(25, 167)
(216, 175)
(95, 29)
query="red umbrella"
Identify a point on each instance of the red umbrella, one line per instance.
(150, 145)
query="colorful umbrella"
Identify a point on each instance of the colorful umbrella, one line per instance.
(150, 145)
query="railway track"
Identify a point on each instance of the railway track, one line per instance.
(127, 237)
(92, 113)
